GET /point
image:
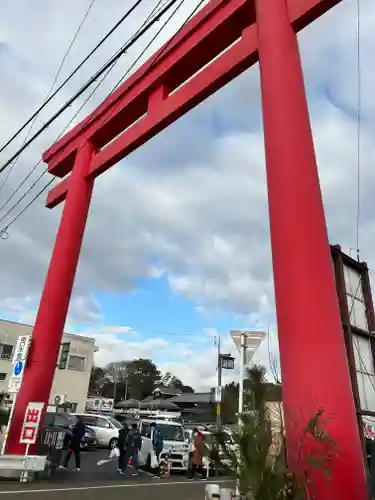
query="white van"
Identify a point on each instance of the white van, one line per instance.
(106, 428)
(174, 442)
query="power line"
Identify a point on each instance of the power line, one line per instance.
(63, 60)
(88, 84)
(80, 65)
(4, 232)
(359, 110)
(152, 13)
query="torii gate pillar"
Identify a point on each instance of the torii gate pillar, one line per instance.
(231, 34)
(54, 303)
(314, 366)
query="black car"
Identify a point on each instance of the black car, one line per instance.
(89, 439)
(66, 422)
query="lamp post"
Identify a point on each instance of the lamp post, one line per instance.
(247, 342)
(226, 362)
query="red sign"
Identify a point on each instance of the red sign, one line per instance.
(30, 427)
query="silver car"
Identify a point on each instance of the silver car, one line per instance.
(106, 428)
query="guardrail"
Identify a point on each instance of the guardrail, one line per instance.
(19, 466)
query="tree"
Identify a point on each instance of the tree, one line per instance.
(170, 380)
(143, 376)
(186, 389)
(229, 406)
(97, 380)
(256, 455)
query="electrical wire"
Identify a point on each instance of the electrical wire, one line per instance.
(88, 84)
(80, 65)
(152, 13)
(4, 232)
(359, 130)
(63, 60)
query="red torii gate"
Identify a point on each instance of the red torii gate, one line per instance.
(234, 35)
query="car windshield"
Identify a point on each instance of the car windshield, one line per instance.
(115, 423)
(171, 432)
(64, 420)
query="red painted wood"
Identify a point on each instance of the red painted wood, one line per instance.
(49, 324)
(205, 36)
(313, 359)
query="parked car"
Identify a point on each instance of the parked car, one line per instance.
(175, 445)
(66, 421)
(105, 426)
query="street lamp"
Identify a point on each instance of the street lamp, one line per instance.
(247, 343)
(224, 362)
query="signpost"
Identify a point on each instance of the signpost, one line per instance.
(218, 394)
(30, 426)
(29, 431)
(19, 361)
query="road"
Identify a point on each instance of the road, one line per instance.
(96, 483)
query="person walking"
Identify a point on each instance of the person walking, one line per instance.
(74, 446)
(157, 446)
(122, 446)
(133, 445)
(196, 458)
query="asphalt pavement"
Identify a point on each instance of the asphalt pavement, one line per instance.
(97, 482)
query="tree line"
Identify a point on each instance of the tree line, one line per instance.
(135, 379)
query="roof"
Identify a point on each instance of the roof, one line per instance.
(161, 422)
(148, 399)
(194, 397)
(169, 391)
(17, 328)
(128, 402)
(158, 403)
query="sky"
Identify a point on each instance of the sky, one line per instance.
(177, 247)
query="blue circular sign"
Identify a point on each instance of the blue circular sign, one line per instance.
(18, 368)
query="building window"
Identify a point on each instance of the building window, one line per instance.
(3, 376)
(76, 363)
(6, 351)
(356, 303)
(365, 372)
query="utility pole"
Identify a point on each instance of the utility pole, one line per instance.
(114, 383)
(219, 381)
(224, 361)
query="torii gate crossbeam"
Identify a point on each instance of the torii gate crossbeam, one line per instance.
(221, 41)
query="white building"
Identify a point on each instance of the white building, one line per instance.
(72, 378)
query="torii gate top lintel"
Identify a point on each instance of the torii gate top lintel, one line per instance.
(213, 48)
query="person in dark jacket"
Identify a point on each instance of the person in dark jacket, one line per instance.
(157, 445)
(78, 431)
(122, 445)
(133, 445)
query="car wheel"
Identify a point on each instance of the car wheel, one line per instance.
(112, 443)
